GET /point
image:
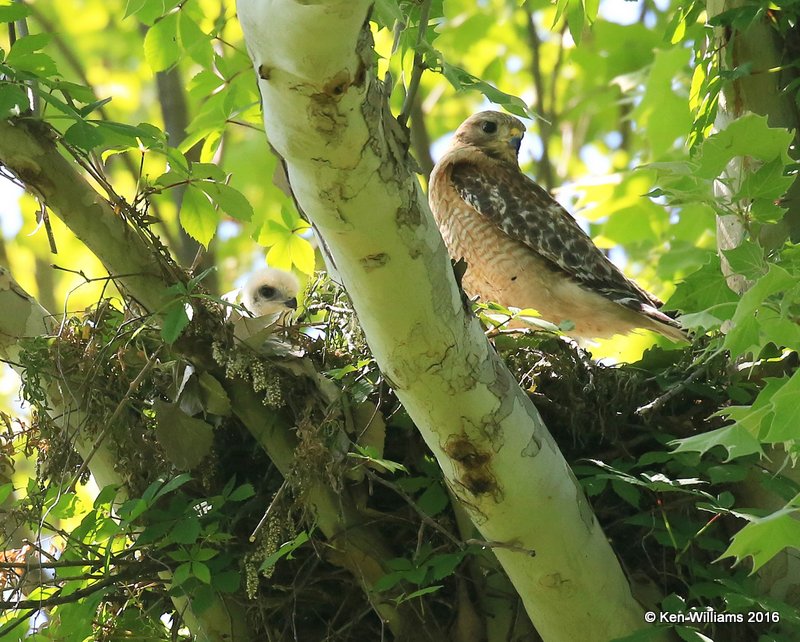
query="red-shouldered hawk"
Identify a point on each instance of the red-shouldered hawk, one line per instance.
(270, 291)
(521, 247)
(269, 295)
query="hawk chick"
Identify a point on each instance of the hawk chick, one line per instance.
(521, 247)
(270, 291)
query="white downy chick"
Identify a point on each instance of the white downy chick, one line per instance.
(270, 295)
(270, 291)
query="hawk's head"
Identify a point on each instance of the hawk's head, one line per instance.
(269, 291)
(495, 134)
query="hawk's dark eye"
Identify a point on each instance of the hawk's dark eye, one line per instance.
(489, 126)
(267, 291)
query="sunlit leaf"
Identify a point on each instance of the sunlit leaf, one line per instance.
(196, 43)
(161, 43)
(229, 199)
(738, 441)
(198, 216)
(749, 135)
(13, 11)
(764, 537)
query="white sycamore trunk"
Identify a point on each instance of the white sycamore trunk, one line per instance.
(325, 113)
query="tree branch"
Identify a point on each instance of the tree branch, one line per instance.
(545, 174)
(419, 64)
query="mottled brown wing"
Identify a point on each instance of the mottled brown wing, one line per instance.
(527, 213)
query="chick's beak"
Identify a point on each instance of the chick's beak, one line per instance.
(515, 139)
(291, 303)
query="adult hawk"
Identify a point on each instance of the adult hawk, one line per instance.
(521, 247)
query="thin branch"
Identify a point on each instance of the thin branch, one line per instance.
(58, 599)
(545, 127)
(269, 510)
(419, 64)
(32, 566)
(672, 392)
(15, 623)
(427, 519)
(506, 545)
(420, 140)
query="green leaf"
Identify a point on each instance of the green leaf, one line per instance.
(13, 11)
(749, 135)
(133, 7)
(434, 500)
(785, 423)
(290, 250)
(765, 537)
(703, 290)
(207, 172)
(462, 80)
(24, 56)
(443, 565)
(231, 200)
(204, 554)
(93, 105)
(576, 20)
(387, 12)
(626, 492)
(286, 549)
(5, 491)
(158, 488)
(747, 260)
(368, 453)
(186, 531)
(196, 43)
(181, 574)
(122, 136)
(149, 10)
(766, 211)
(245, 491)
(746, 335)
(161, 43)
(13, 100)
(84, 136)
(132, 509)
(388, 581)
(186, 441)
(198, 216)
(106, 496)
(418, 593)
(29, 44)
(174, 320)
(591, 7)
(768, 182)
(735, 439)
(65, 506)
(774, 416)
(215, 399)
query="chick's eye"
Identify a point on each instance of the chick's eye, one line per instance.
(267, 291)
(489, 126)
